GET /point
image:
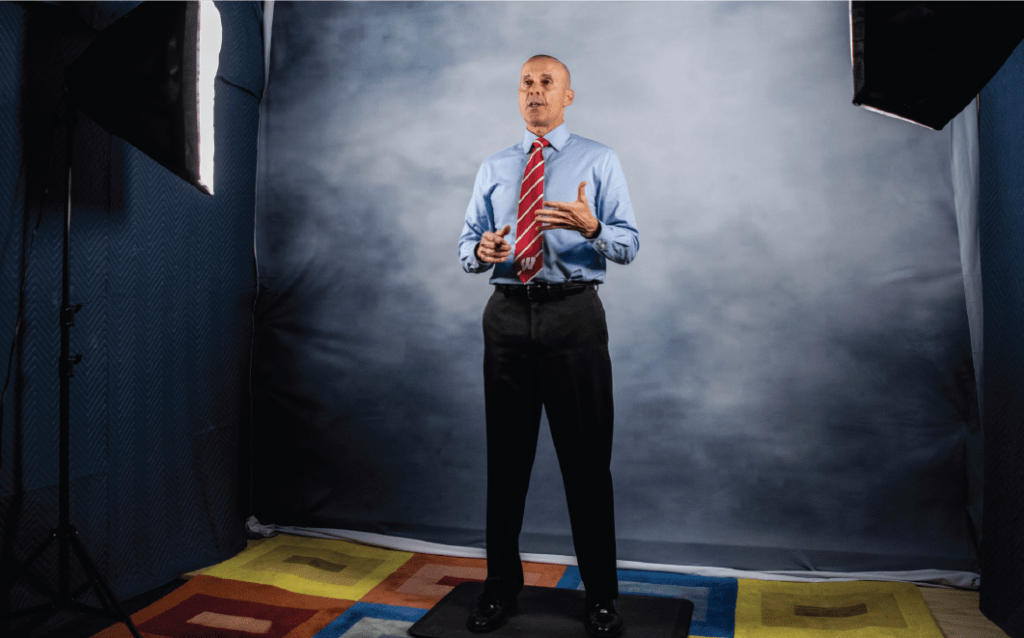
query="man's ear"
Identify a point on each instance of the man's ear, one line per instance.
(569, 95)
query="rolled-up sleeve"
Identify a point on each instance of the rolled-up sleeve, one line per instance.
(479, 219)
(619, 239)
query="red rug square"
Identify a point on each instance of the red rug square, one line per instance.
(209, 607)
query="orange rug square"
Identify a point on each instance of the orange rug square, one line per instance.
(425, 579)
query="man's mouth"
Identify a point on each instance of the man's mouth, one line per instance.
(529, 104)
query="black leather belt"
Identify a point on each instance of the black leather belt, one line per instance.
(544, 290)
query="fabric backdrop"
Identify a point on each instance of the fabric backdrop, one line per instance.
(793, 377)
(166, 279)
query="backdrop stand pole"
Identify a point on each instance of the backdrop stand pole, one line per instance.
(65, 533)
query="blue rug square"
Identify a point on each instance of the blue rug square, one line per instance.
(371, 620)
(714, 599)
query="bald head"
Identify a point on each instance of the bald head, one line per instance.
(568, 76)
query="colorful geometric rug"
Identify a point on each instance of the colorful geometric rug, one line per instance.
(299, 587)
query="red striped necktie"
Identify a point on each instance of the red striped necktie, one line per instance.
(529, 258)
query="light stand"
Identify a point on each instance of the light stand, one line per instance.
(65, 533)
(149, 78)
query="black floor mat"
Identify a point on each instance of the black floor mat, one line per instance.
(545, 612)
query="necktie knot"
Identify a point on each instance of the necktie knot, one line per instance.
(540, 142)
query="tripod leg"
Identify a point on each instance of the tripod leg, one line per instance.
(91, 584)
(101, 587)
(8, 586)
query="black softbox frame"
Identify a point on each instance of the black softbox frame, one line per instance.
(138, 81)
(925, 61)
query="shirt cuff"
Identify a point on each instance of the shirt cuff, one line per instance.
(603, 238)
(473, 264)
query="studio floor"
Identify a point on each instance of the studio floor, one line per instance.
(955, 611)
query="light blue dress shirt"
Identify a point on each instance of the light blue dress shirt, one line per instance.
(568, 255)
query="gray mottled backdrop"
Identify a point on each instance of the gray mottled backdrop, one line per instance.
(792, 361)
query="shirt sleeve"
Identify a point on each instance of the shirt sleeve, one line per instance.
(619, 239)
(479, 219)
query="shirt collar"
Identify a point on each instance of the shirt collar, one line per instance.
(556, 137)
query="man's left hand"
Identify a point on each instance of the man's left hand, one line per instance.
(570, 215)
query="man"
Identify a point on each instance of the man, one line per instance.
(545, 338)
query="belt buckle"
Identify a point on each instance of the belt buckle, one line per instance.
(535, 292)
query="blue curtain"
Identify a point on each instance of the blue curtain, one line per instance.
(1001, 229)
(160, 401)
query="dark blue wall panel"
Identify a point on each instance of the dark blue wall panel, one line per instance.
(160, 402)
(1002, 269)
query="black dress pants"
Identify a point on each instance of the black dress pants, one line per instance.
(551, 353)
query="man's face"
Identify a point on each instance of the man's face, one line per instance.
(543, 95)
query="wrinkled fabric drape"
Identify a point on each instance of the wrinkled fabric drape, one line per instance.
(794, 384)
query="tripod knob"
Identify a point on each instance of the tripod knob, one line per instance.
(68, 365)
(67, 315)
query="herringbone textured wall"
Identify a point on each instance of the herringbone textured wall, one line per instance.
(166, 279)
(1002, 269)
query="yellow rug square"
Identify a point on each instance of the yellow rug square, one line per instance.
(313, 566)
(857, 609)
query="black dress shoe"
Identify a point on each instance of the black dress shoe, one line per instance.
(603, 619)
(489, 614)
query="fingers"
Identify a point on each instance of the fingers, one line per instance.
(495, 243)
(489, 238)
(556, 205)
(551, 215)
(493, 248)
(581, 197)
(546, 218)
(492, 256)
(555, 220)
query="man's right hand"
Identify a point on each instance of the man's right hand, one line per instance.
(493, 248)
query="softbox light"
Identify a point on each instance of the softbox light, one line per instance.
(149, 79)
(925, 61)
